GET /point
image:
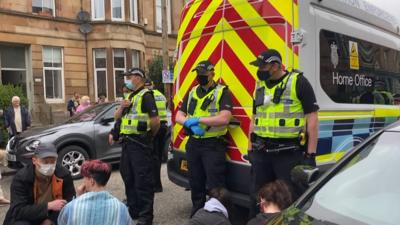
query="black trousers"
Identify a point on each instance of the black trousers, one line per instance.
(268, 167)
(207, 167)
(136, 169)
(159, 144)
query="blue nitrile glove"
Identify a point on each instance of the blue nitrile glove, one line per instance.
(197, 130)
(191, 122)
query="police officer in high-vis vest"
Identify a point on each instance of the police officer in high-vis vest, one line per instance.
(284, 128)
(139, 124)
(160, 139)
(205, 113)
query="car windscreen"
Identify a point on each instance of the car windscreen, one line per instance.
(366, 190)
(89, 114)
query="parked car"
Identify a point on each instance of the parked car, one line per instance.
(84, 136)
(362, 188)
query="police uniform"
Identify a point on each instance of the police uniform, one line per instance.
(160, 138)
(206, 153)
(136, 164)
(279, 109)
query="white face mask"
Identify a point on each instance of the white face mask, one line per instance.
(47, 169)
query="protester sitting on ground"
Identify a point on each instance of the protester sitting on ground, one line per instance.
(95, 205)
(215, 210)
(73, 104)
(39, 190)
(273, 198)
(16, 118)
(84, 103)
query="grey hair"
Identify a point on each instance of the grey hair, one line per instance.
(15, 98)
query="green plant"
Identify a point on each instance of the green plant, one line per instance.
(6, 94)
(155, 72)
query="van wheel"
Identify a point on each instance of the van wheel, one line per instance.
(72, 158)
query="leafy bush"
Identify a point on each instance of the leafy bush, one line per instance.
(6, 94)
(155, 72)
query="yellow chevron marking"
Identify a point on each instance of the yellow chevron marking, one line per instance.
(241, 49)
(185, 22)
(284, 7)
(240, 138)
(265, 32)
(189, 78)
(237, 89)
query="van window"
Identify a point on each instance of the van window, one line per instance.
(358, 71)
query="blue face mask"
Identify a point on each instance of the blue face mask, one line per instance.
(129, 85)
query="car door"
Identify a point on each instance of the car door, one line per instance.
(101, 130)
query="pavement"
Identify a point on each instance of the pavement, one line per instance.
(171, 207)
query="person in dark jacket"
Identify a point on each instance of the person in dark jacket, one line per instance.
(273, 198)
(40, 190)
(73, 104)
(215, 210)
(16, 118)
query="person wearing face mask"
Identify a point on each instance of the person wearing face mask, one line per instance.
(284, 127)
(139, 125)
(40, 190)
(161, 137)
(94, 204)
(205, 114)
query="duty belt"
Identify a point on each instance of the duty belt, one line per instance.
(274, 148)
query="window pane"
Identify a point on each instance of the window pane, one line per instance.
(57, 58)
(119, 83)
(158, 16)
(36, 6)
(357, 71)
(119, 58)
(98, 7)
(47, 55)
(135, 58)
(133, 10)
(48, 6)
(17, 78)
(100, 58)
(117, 8)
(101, 82)
(48, 76)
(57, 84)
(12, 57)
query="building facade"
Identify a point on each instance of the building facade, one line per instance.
(53, 48)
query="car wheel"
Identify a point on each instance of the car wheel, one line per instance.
(72, 158)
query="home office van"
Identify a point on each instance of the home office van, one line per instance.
(348, 50)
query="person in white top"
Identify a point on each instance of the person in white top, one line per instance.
(17, 118)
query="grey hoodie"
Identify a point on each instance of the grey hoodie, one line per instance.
(213, 213)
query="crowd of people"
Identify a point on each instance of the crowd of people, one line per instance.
(283, 134)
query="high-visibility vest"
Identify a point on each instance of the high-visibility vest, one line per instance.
(282, 120)
(161, 103)
(136, 118)
(213, 97)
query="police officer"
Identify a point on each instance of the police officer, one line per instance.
(139, 124)
(284, 123)
(160, 139)
(205, 113)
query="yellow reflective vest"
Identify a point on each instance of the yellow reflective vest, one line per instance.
(161, 103)
(136, 121)
(213, 98)
(284, 119)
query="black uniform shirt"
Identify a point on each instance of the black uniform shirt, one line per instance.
(304, 91)
(148, 102)
(225, 103)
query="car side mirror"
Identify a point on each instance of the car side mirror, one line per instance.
(303, 176)
(106, 121)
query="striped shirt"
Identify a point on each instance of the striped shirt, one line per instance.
(95, 208)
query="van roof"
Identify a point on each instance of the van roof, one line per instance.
(359, 9)
(364, 11)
